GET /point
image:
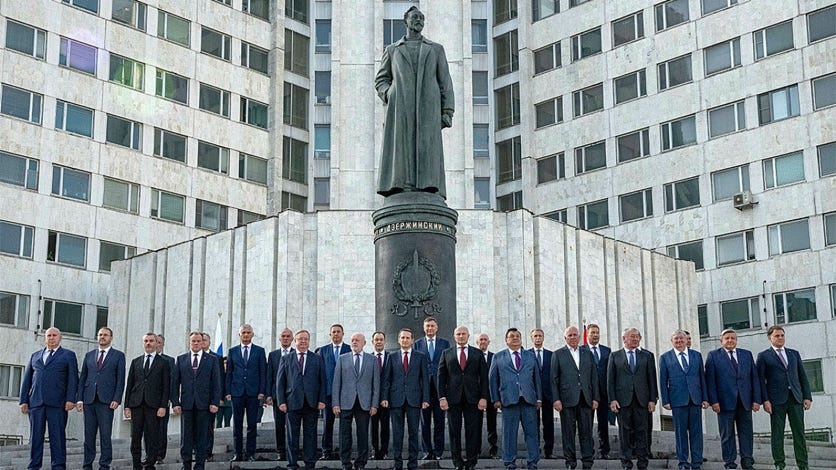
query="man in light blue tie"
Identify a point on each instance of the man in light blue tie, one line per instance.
(331, 353)
(432, 418)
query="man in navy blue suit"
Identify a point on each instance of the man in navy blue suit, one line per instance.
(546, 414)
(734, 392)
(515, 388)
(196, 392)
(432, 418)
(786, 394)
(683, 390)
(47, 393)
(100, 391)
(601, 354)
(163, 440)
(273, 362)
(246, 382)
(301, 389)
(330, 354)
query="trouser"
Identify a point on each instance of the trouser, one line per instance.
(195, 425)
(793, 410)
(577, 419)
(687, 423)
(490, 416)
(432, 425)
(602, 414)
(162, 442)
(360, 417)
(513, 416)
(41, 418)
(380, 432)
(280, 419)
(740, 420)
(304, 420)
(145, 427)
(469, 415)
(98, 419)
(546, 418)
(328, 427)
(242, 405)
(632, 433)
(412, 415)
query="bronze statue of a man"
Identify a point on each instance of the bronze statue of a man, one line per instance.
(414, 82)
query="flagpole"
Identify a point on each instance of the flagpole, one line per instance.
(219, 338)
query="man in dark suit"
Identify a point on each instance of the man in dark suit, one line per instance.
(463, 392)
(356, 398)
(196, 392)
(405, 391)
(331, 353)
(246, 382)
(574, 384)
(163, 440)
(380, 420)
(683, 390)
(146, 402)
(483, 341)
(432, 418)
(301, 390)
(210, 441)
(100, 391)
(515, 388)
(47, 392)
(632, 391)
(786, 393)
(601, 354)
(273, 363)
(546, 413)
(734, 392)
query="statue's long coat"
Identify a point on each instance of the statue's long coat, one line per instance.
(413, 155)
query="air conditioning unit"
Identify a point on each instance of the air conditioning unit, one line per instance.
(743, 200)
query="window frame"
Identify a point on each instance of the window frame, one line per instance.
(64, 108)
(139, 15)
(509, 41)
(246, 57)
(478, 36)
(581, 157)
(156, 200)
(160, 145)
(163, 28)
(664, 72)
(577, 43)
(674, 252)
(322, 193)
(828, 169)
(644, 145)
(769, 96)
(559, 160)
(65, 55)
(225, 43)
(829, 77)
(637, 18)
(748, 243)
(22, 303)
(39, 40)
(670, 194)
(752, 305)
(478, 183)
(775, 234)
(208, 152)
(483, 78)
(292, 10)
(512, 169)
(162, 79)
(30, 175)
(513, 102)
(294, 160)
(770, 170)
(810, 38)
(244, 167)
(58, 180)
(77, 4)
(660, 13)
(739, 119)
(556, 112)
(132, 196)
(137, 78)
(536, 9)
(34, 105)
(223, 99)
(250, 112)
(297, 56)
(785, 317)
(290, 115)
(647, 205)
(201, 206)
(743, 180)
(579, 102)
(734, 56)
(322, 47)
(554, 49)
(26, 235)
(639, 85)
(583, 215)
(135, 134)
(321, 153)
(728, 4)
(128, 252)
(56, 258)
(486, 151)
(49, 316)
(666, 129)
(764, 40)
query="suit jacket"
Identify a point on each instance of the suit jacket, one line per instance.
(350, 387)
(172, 367)
(405, 389)
(441, 345)
(509, 385)
(246, 378)
(295, 388)
(51, 384)
(151, 389)
(545, 370)
(106, 384)
(463, 386)
(603, 359)
(682, 387)
(622, 383)
(779, 381)
(327, 353)
(569, 382)
(384, 359)
(196, 390)
(274, 360)
(724, 385)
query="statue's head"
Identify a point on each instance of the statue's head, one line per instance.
(414, 19)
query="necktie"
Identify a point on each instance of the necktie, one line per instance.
(302, 363)
(540, 358)
(379, 360)
(683, 361)
(632, 361)
(431, 349)
(405, 362)
(246, 354)
(517, 360)
(783, 358)
(48, 357)
(357, 363)
(101, 359)
(462, 359)
(733, 361)
(336, 354)
(147, 362)
(194, 364)
(595, 354)
(284, 352)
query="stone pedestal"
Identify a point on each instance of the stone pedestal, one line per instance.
(415, 264)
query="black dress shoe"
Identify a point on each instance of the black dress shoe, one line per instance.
(237, 458)
(427, 456)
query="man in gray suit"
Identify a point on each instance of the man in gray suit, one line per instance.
(355, 396)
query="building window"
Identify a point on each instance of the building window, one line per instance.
(214, 100)
(172, 86)
(544, 8)
(504, 10)
(169, 145)
(393, 31)
(322, 87)
(121, 195)
(593, 215)
(295, 161)
(726, 119)
(675, 72)
(558, 216)
(682, 194)
(671, 13)
(509, 159)
(212, 157)
(252, 168)
(322, 193)
(261, 8)
(796, 306)
(323, 36)
(702, 319)
(210, 216)
(90, 5)
(812, 368)
(479, 36)
(629, 87)
(509, 202)
(549, 112)
(101, 318)
(783, 170)
(507, 101)
(778, 104)
(551, 168)
(590, 157)
(173, 28)
(214, 43)
(245, 217)
(19, 171)
(827, 159)
(481, 193)
(722, 56)
(127, 72)
(254, 57)
(26, 39)
(21, 104)
(14, 312)
(129, 12)
(70, 183)
(480, 87)
(830, 229)
(124, 132)
(253, 112)
(833, 299)
(679, 133)
(588, 100)
(322, 141)
(710, 6)
(586, 44)
(821, 24)
(547, 58)
(296, 52)
(296, 9)
(772, 40)
(65, 316)
(16, 239)
(110, 252)
(67, 249)
(574, 3)
(294, 202)
(77, 55)
(637, 205)
(633, 145)
(787, 237)
(481, 141)
(735, 248)
(824, 91)
(506, 51)
(691, 251)
(627, 29)
(167, 206)
(740, 314)
(727, 183)
(295, 112)
(73, 118)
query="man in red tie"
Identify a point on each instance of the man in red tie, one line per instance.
(380, 421)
